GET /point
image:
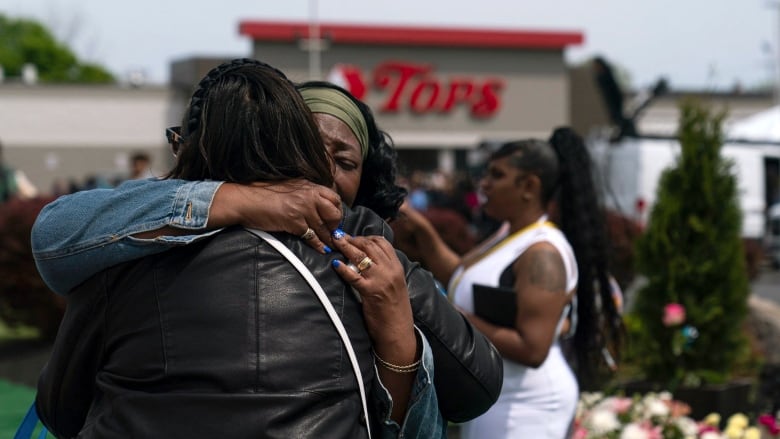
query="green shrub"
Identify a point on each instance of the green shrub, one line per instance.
(691, 254)
(25, 300)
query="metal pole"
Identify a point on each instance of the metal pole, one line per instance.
(777, 56)
(776, 64)
(314, 42)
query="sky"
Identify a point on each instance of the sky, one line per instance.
(694, 44)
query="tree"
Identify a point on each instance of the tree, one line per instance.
(692, 255)
(25, 41)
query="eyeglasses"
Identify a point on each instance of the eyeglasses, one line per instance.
(175, 139)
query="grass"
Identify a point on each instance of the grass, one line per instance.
(15, 400)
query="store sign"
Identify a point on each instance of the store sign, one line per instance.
(416, 88)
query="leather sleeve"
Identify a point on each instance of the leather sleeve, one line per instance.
(66, 385)
(468, 370)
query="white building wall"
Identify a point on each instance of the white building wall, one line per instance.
(71, 132)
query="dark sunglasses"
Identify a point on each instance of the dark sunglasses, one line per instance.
(175, 139)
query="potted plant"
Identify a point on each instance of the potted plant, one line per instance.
(687, 320)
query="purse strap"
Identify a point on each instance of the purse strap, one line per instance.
(28, 425)
(334, 317)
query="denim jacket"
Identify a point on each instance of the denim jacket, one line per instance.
(76, 236)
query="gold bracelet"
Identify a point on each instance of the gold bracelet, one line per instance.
(409, 368)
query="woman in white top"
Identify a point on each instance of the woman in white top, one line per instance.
(536, 260)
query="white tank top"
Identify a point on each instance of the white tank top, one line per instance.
(494, 260)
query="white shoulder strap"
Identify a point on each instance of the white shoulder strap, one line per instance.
(298, 264)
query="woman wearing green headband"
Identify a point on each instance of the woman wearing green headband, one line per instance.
(468, 370)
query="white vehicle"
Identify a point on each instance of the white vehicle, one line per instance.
(630, 167)
(630, 171)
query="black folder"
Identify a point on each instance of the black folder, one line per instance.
(497, 305)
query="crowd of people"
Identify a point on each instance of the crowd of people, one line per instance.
(184, 318)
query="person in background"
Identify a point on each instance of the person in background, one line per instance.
(555, 270)
(14, 183)
(217, 339)
(75, 237)
(140, 166)
(419, 191)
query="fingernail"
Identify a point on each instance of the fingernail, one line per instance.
(335, 263)
(338, 234)
(327, 249)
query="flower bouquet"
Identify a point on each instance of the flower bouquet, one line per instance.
(659, 416)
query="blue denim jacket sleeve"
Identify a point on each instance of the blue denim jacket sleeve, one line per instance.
(423, 418)
(73, 237)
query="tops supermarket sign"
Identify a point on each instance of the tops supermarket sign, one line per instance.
(417, 88)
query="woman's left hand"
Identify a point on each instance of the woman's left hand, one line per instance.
(375, 272)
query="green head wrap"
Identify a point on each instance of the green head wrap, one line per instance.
(331, 101)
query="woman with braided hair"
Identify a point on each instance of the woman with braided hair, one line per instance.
(539, 270)
(223, 338)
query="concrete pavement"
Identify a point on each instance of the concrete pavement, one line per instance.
(767, 285)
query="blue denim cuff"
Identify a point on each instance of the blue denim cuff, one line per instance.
(191, 205)
(422, 410)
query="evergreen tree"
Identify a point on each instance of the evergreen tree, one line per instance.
(692, 255)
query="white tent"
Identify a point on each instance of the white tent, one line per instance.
(760, 127)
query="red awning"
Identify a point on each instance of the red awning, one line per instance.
(411, 36)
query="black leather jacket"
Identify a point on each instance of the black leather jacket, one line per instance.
(224, 339)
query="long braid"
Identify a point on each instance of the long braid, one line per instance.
(582, 222)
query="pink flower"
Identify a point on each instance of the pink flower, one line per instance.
(580, 433)
(674, 314)
(704, 428)
(770, 423)
(622, 405)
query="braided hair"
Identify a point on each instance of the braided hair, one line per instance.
(582, 221)
(378, 190)
(246, 122)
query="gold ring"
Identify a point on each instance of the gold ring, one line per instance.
(308, 235)
(364, 264)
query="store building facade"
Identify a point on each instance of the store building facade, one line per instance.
(439, 92)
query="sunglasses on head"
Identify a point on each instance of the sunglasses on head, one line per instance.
(175, 139)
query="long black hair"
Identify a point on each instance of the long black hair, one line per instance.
(378, 190)
(246, 122)
(582, 221)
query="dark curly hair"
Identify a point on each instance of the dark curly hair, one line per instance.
(246, 122)
(378, 190)
(582, 221)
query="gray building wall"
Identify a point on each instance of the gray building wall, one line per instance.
(71, 132)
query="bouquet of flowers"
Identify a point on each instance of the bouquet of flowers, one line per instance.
(658, 416)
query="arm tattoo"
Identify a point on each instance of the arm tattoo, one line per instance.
(547, 270)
